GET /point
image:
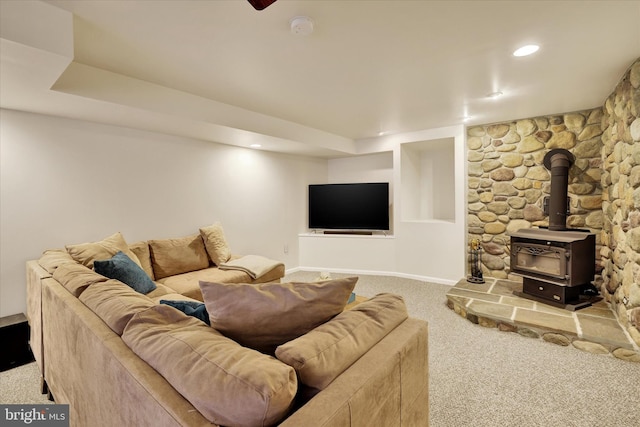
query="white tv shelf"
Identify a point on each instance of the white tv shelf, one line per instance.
(347, 252)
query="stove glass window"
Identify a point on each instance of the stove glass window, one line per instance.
(541, 259)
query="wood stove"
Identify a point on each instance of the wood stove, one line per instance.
(557, 264)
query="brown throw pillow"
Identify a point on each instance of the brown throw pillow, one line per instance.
(325, 352)
(176, 256)
(86, 253)
(141, 249)
(216, 244)
(263, 316)
(230, 385)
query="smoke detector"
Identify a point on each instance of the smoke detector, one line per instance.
(301, 26)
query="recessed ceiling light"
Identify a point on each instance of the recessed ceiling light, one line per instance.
(526, 50)
(466, 118)
(255, 146)
(494, 95)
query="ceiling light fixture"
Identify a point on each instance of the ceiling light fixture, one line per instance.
(495, 95)
(255, 146)
(301, 25)
(526, 50)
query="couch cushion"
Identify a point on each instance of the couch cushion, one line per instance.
(227, 383)
(174, 256)
(159, 292)
(325, 352)
(53, 258)
(189, 283)
(263, 316)
(141, 249)
(115, 303)
(76, 277)
(216, 243)
(121, 267)
(86, 253)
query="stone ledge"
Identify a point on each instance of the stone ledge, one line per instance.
(492, 304)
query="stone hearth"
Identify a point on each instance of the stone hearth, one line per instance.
(492, 304)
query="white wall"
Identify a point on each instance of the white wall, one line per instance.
(377, 167)
(426, 249)
(434, 249)
(67, 181)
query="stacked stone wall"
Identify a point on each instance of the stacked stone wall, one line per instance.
(507, 180)
(621, 201)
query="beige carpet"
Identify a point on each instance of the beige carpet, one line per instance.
(482, 377)
(479, 377)
(21, 385)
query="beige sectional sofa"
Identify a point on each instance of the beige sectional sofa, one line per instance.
(119, 357)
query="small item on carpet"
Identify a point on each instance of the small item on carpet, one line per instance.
(325, 275)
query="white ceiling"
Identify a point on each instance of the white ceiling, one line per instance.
(222, 71)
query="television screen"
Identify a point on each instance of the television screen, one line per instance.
(358, 206)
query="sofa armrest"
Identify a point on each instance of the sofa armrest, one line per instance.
(103, 381)
(389, 385)
(35, 275)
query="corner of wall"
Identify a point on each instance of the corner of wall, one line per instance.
(620, 254)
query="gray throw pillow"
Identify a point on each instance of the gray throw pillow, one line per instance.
(122, 268)
(190, 308)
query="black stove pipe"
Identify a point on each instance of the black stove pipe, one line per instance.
(558, 161)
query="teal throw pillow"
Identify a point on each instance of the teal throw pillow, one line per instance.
(122, 268)
(190, 308)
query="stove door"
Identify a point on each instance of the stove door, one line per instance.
(541, 260)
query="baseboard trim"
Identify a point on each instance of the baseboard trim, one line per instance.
(430, 279)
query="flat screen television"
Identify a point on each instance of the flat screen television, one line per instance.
(355, 206)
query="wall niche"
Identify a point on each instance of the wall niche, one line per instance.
(428, 180)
